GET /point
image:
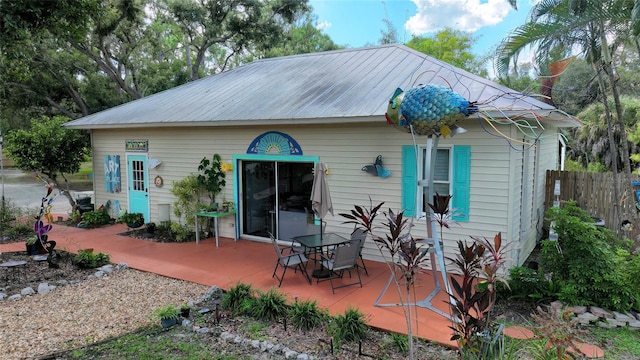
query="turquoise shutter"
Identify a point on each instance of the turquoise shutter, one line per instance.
(461, 182)
(409, 180)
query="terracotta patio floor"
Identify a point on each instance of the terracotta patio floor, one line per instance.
(253, 262)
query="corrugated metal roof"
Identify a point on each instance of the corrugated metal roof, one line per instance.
(350, 85)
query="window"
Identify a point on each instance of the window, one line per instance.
(441, 176)
(451, 176)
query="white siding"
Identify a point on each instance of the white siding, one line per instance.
(495, 178)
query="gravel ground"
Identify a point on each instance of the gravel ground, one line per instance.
(86, 312)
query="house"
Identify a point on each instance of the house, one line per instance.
(273, 119)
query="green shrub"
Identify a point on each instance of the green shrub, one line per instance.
(526, 284)
(255, 331)
(95, 218)
(237, 297)
(631, 264)
(182, 233)
(8, 211)
(521, 281)
(350, 326)
(306, 315)
(131, 218)
(187, 192)
(584, 262)
(399, 342)
(76, 217)
(168, 312)
(271, 305)
(90, 260)
(18, 231)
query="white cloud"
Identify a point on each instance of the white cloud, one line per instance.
(465, 15)
(323, 25)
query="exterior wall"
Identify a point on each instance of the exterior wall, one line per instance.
(549, 159)
(515, 197)
(529, 165)
(345, 148)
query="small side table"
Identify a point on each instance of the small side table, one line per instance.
(215, 215)
(16, 268)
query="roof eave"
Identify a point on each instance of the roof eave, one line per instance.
(221, 123)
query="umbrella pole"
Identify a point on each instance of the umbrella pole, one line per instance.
(321, 199)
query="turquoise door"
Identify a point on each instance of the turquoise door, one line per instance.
(138, 185)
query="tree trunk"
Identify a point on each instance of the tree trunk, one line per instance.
(609, 69)
(612, 142)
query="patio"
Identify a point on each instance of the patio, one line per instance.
(228, 264)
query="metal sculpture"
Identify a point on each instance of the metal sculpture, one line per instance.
(434, 111)
(43, 244)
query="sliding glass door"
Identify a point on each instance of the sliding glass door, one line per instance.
(275, 198)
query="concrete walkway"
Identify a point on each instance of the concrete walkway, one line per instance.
(253, 263)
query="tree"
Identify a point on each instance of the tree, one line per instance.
(576, 88)
(49, 55)
(390, 35)
(590, 144)
(302, 37)
(230, 28)
(77, 57)
(48, 148)
(520, 79)
(588, 26)
(453, 47)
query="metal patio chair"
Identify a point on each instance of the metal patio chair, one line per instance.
(359, 234)
(292, 260)
(345, 257)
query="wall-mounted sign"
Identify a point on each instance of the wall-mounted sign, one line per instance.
(112, 173)
(137, 145)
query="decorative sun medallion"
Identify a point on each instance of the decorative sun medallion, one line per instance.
(274, 143)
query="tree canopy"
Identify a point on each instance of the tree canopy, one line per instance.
(48, 147)
(453, 47)
(77, 57)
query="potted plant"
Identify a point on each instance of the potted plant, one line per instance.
(212, 177)
(227, 206)
(31, 245)
(133, 220)
(185, 310)
(168, 315)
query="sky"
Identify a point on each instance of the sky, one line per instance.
(358, 23)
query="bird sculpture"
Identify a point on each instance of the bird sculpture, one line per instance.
(427, 109)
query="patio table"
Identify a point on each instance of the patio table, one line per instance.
(215, 215)
(318, 241)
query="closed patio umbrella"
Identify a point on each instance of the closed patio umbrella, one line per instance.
(320, 195)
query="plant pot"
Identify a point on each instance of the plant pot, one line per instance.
(168, 322)
(136, 224)
(31, 249)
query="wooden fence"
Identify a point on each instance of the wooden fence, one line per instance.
(594, 193)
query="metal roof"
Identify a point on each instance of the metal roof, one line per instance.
(352, 85)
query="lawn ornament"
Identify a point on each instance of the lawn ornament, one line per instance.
(428, 109)
(433, 111)
(43, 244)
(377, 169)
